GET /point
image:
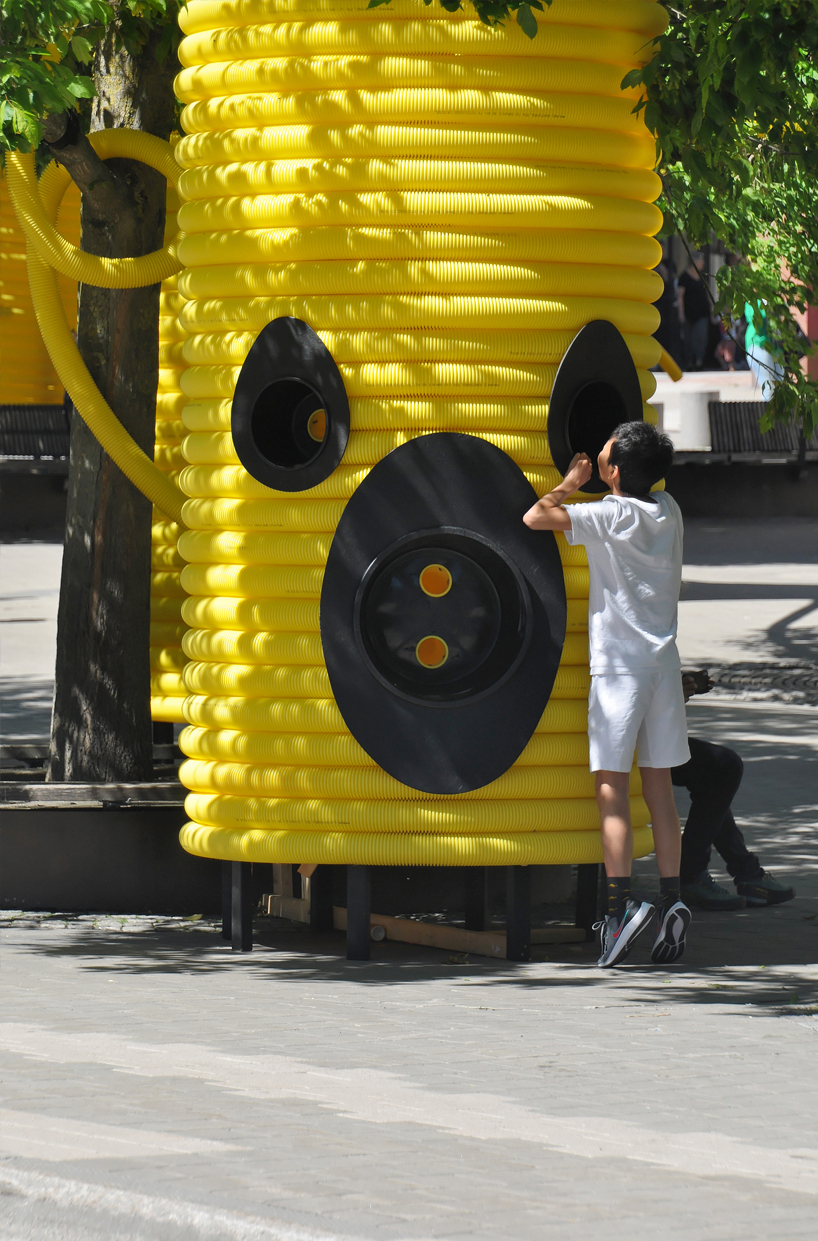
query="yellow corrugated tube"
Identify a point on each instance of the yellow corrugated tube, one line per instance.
(36, 205)
(446, 205)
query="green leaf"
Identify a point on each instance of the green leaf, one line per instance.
(527, 21)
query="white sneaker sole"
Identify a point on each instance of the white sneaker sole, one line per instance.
(670, 942)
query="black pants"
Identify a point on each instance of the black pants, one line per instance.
(712, 778)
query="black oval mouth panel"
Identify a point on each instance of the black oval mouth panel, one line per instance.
(290, 418)
(442, 614)
(596, 388)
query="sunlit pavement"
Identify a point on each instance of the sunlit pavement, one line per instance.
(159, 1086)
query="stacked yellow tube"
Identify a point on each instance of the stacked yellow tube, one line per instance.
(27, 376)
(167, 627)
(446, 205)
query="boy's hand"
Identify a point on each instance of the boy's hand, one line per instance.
(579, 471)
(548, 513)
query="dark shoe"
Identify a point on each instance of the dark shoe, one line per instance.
(766, 890)
(705, 893)
(617, 938)
(672, 933)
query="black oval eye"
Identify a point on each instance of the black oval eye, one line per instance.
(596, 388)
(290, 418)
(442, 614)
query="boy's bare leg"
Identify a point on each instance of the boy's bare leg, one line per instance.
(657, 790)
(613, 799)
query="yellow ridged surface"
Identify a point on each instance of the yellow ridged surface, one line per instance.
(446, 205)
(166, 644)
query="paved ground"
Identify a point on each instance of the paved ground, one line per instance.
(160, 1087)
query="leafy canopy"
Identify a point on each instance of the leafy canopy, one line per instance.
(733, 99)
(46, 49)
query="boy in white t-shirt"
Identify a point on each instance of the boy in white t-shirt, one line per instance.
(634, 543)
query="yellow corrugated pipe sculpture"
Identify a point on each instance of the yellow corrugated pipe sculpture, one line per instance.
(445, 205)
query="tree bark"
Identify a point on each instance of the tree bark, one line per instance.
(101, 727)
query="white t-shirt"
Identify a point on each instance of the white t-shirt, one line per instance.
(635, 563)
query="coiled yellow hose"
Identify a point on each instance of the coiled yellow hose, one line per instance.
(446, 205)
(36, 206)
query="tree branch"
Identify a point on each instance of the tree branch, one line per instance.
(109, 197)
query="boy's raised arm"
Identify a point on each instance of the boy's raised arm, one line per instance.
(548, 513)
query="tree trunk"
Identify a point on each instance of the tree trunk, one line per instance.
(101, 727)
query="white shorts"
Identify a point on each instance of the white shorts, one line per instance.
(642, 711)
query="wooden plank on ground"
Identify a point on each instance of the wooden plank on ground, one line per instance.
(292, 907)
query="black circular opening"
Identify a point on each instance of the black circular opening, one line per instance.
(445, 648)
(285, 424)
(596, 411)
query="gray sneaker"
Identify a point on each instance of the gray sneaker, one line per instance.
(704, 893)
(766, 890)
(617, 938)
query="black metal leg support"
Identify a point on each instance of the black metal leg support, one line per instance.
(476, 884)
(241, 907)
(357, 913)
(321, 899)
(518, 913)
(227, 901)
(587, 897)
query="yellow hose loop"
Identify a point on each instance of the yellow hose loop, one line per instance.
(409, 208)
(167, 658)
(401, 380)
(391, 276)
(51, 246)
(286, 615)
(271, 515)
(372, 784)
(328, 750)
(415, 310)
(261, 647)
(451, 105)
(345, 176)
(57, 335)
(451, 817)
(167, 685)
(295, 581)
(559, 97)
(292, 681)
(301, 715)
(350, 41)
(167, 633)
(367, 447)
(670, 366)
(405, 849)
(296, 547)
(231, 348)
(476, 137)
(642, 16)
(166, 608)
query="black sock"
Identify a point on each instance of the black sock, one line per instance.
(669, 890)
(619, 893)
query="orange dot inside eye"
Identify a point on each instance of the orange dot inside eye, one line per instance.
(431, 652)
(317, 425)
(435, 580)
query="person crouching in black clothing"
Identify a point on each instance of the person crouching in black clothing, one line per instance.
(712, 777)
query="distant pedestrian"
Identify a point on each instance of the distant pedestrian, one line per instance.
(694, 309)
(634, 543)
(712, 777)
(761, 352)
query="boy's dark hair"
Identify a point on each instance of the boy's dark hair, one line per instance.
(643, 456)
